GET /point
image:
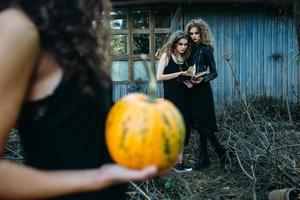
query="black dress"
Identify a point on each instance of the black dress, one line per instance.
(178, 93)
(202, 96)
(203, 104)
(66, 131)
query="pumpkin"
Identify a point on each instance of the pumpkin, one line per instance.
(142, 130)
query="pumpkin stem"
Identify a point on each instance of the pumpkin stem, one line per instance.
(152, 84)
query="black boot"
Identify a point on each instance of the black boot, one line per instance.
(204, 158)
(219, 149)
(201, 164)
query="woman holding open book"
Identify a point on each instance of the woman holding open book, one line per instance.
(203, 109)
(172, 68)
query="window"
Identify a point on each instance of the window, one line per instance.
(136, 31)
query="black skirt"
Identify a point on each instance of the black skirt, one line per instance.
(203, 107)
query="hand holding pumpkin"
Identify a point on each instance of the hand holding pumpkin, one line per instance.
(142, 131)
(115, 174)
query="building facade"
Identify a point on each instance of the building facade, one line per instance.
(255, 45)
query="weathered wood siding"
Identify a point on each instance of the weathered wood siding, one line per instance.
(260, 41)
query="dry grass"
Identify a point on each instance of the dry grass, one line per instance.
(13, 150)
(266, 156)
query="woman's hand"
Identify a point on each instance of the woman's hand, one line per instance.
(111, 174)
(115, 174)
(189, 84)
(185, 73)
(196, 81)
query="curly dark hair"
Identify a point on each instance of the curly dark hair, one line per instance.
(76, 32)
(206, 36)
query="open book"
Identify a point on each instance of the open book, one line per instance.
(192, 72)
(199, 74)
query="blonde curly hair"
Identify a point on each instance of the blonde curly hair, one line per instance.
(206, 36)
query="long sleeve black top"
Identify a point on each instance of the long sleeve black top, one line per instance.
(203, 57)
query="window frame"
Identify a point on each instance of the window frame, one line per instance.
(130, 31)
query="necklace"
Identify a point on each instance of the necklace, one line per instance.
(179, 60)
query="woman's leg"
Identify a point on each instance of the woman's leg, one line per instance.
(220, 150)
(188, 132)
(203, 147)
(181, 166)
(206, 134)
(204, 157)
(211, 136)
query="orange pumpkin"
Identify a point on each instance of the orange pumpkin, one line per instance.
(142, 131)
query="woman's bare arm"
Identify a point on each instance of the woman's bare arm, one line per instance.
(163, 62)
(18, 52)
